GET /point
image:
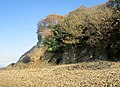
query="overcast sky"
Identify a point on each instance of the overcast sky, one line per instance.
(18, 23)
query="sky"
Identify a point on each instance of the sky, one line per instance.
(18, 23)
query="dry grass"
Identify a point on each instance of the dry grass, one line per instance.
(93, 74)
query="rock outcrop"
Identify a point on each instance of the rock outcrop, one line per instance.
(86, 34)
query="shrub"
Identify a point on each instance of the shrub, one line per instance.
(47, 30)
(51, 43)
(91, 25)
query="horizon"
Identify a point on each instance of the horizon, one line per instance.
(19, 23)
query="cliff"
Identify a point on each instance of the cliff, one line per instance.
(86, 34)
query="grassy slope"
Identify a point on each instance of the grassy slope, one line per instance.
(93, 74)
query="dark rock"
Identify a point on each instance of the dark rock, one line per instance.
(26, 59)
(76, 54)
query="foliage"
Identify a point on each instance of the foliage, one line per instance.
(47, 31)
(45, 25)
(91, 25)
(97, 26)
(49, 21)
(51, 43)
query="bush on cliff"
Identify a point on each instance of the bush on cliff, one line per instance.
(93, 33)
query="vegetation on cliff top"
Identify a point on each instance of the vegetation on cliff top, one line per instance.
(94, 26)
(90, 25)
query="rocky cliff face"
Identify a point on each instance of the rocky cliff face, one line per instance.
(86, 34)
